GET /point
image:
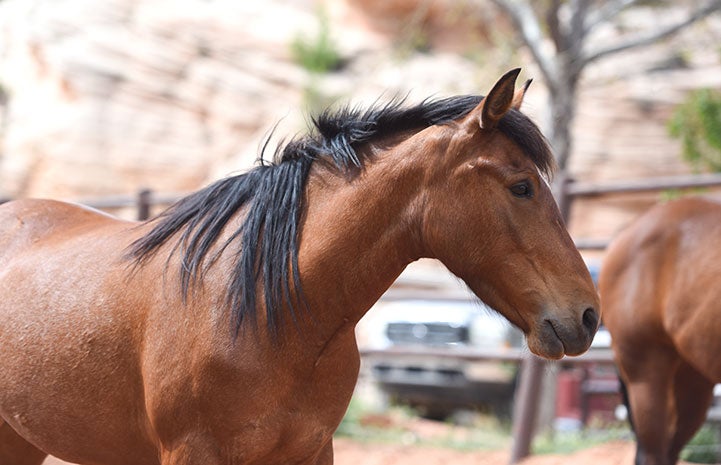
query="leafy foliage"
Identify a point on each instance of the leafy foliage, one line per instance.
(697, 122)
(704, 447)
(317, 54)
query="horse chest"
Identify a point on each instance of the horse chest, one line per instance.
(257, 409)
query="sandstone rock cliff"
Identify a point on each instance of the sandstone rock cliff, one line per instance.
(107, 96)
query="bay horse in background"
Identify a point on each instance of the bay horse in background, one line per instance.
(222, 332)
(661, 298)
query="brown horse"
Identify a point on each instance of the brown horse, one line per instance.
(222, 332)
(661, 300)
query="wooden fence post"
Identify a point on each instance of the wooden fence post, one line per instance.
(525, 411)
(144, 201)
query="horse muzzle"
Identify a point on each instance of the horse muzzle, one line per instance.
(553, 337)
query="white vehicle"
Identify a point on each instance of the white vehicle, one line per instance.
(418, 349)
(433, 379)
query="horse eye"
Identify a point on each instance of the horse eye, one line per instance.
(522, 189)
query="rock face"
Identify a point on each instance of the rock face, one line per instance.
(621, 131)
(106, 96)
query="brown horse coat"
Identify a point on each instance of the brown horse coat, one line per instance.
(661, 300)
(152, 358)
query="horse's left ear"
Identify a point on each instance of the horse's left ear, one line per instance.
(499, 100)
(520, 93)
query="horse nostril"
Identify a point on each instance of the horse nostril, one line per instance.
(590, 320)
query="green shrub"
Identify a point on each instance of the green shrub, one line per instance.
(697, 122)
(317, 54)
(704, 447)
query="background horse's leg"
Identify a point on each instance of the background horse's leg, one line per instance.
(693, 394)
(649, 378)
(14, 450)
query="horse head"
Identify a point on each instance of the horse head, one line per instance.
(491, 219)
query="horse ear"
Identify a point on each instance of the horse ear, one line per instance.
(518, 96)
(499, 100)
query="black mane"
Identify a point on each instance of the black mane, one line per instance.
(272, 194)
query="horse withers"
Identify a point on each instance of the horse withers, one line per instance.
(223, 330)
(661, 297)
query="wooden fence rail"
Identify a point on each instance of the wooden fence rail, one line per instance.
(582, 189)
(143, 201)
(474, 355)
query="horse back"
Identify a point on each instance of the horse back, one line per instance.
(34, 222)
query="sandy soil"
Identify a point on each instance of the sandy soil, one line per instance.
(355, 452)
(348, 452)
(352, 453)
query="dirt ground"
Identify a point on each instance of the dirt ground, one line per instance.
(349, 452)
(410, 452)
(352, 453)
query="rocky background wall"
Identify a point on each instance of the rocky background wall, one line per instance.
(108, 96)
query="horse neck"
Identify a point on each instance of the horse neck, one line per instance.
(360, 234)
